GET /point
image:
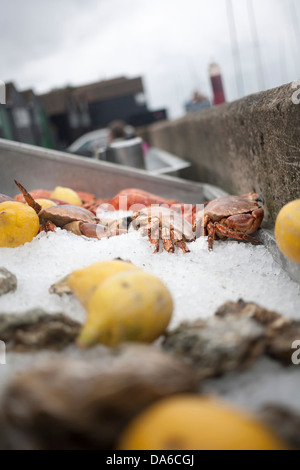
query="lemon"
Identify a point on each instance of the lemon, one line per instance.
(130, 306)
(67, 195)
(19, 224)
(45, 203)
(84, 282)
(287, 231)
(190, 422)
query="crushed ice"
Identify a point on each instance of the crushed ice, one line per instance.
(200, 281)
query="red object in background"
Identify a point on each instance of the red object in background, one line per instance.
(217, 84)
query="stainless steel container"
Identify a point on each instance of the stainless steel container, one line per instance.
(125, 152)
(37, 167)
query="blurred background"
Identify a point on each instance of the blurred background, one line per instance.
(72, 67)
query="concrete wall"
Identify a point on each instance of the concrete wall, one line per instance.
(249, 145)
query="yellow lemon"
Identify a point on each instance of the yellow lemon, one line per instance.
(19, 224)
(45, 203)
(190, 422)
(67, 195)
(287, 231)
(84, 282)
(130, 306)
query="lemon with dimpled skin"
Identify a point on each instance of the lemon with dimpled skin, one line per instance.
(67, 195)
(84, 282)
(191, 422)
(19, 224)
(45, 203)
(287, 231)
(130, 306)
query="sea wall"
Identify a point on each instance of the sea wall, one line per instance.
(252, 144)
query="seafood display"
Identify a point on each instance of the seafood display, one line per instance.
(106, 302)
(161, 219)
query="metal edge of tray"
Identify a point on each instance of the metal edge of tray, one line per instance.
(173, 163)
(267, 237)
(36, 167)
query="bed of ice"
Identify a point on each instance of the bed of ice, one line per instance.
(200, 281)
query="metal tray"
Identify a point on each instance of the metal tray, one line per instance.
(36, 168)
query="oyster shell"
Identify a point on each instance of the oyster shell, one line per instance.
(8, 281)
(248, 309)
(280, 337)
(217, 345)
(77, 404)
(37, 330)
(285, 422)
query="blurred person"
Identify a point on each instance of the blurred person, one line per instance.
(117, 131)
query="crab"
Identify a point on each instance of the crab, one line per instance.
(4, 198)
(235, 217)
(75, 219)
(128, 199)
(161, 223)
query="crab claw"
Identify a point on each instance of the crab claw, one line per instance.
(29, 199)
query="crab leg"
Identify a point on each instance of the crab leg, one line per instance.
(167, 240)
(211, 229)
(179, 242)
(225, 232)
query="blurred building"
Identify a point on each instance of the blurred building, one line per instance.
(197, 102)
(68, 115)
(109, 100)
(76, 111)
(39, 120)
(6, 131)
(150, 117)
(15, 117)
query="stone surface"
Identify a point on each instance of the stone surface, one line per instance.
(248, 145)
(36, 330)
(86, 404)
(8, 281)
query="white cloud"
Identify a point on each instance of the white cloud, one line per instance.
(169, 42)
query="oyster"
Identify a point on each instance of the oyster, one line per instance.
(77, 404)
(285, 422)
(281, 336)
(8, 281)
(217, 345)
(248, 309)
(37, 330)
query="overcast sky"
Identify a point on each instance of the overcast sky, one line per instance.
(170, 43)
